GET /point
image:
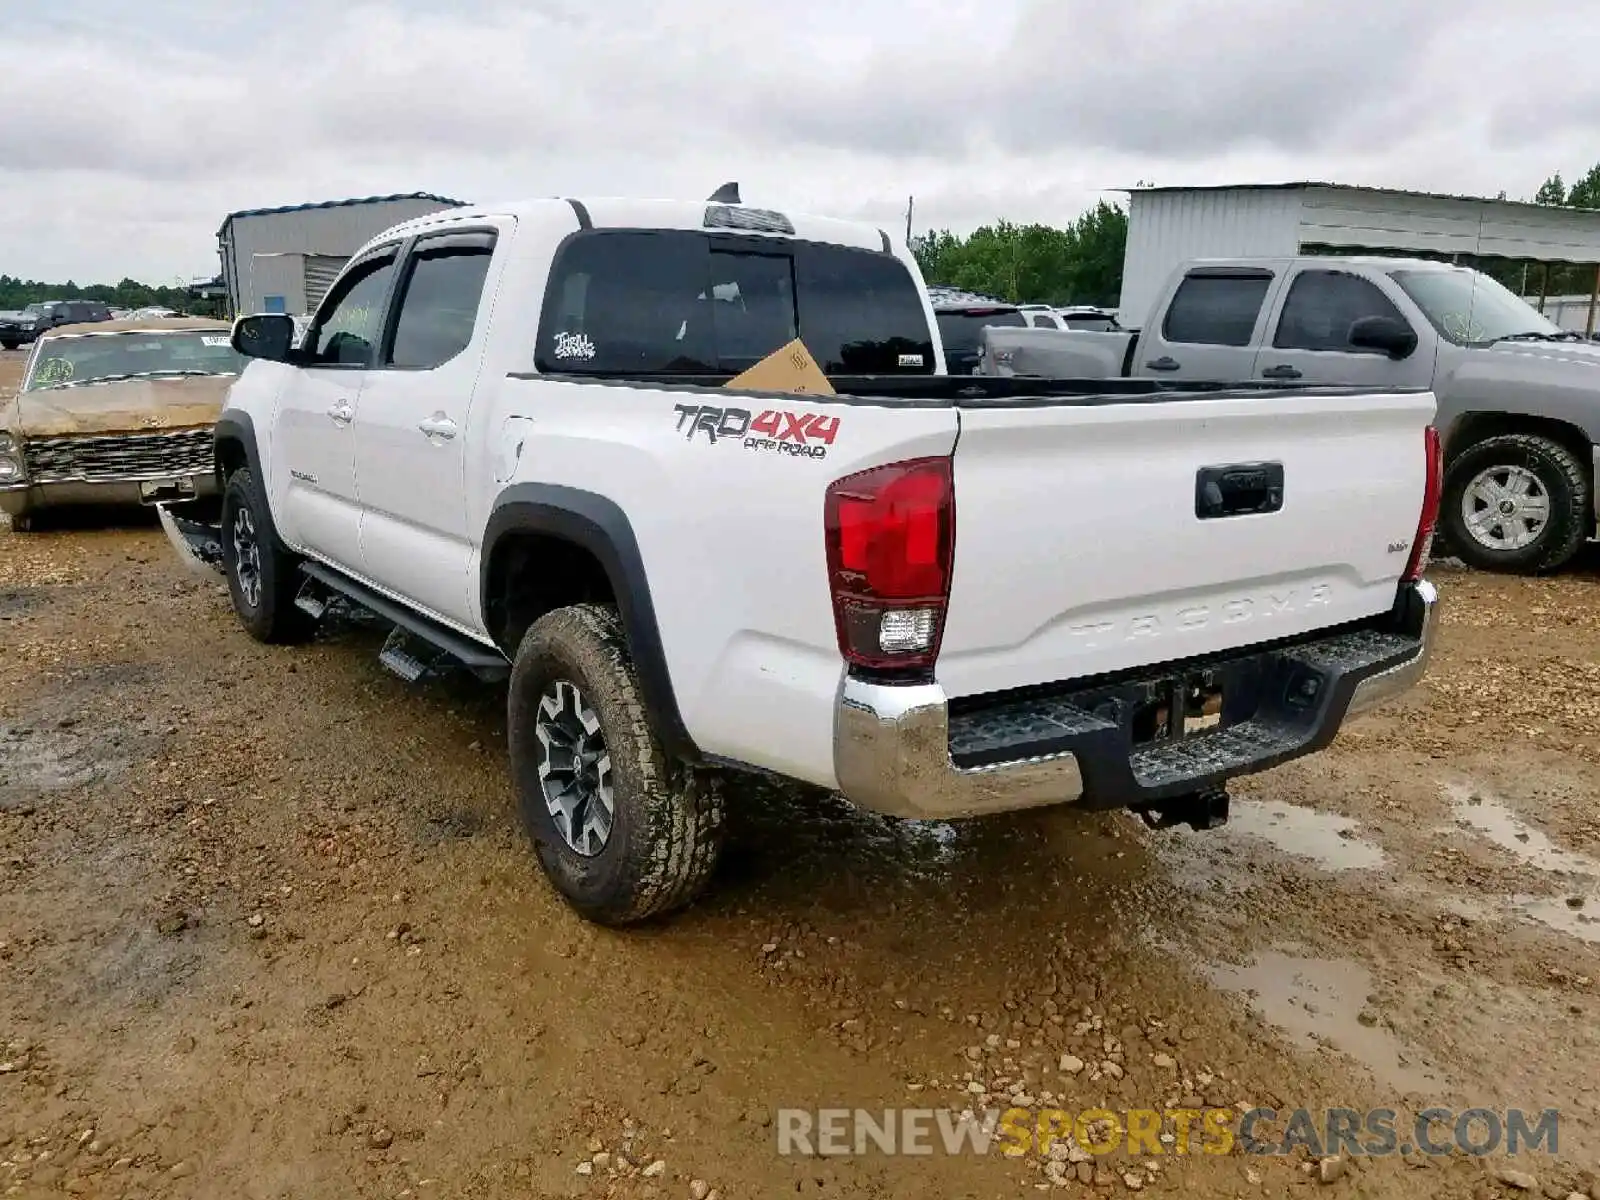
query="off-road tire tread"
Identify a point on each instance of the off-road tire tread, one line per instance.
(680, 807)
(1569, 521)
(277, 621)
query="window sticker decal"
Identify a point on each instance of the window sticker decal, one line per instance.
(574, 346)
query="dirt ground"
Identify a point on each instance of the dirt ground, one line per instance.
(268, 928)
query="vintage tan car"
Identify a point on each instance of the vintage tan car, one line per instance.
(119, 412)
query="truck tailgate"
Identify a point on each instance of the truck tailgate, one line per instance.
(1080, 549)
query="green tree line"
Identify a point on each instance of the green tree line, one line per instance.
(1033, 264)
(1082, 263)
(130, 293)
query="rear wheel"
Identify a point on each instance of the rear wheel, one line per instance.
(262, 579)
(1517, 503)
(623, 831)
(10, 345)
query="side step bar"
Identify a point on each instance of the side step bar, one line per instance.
(483, 662)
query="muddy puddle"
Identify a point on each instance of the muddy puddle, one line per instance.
(1574, 910)
(1327, 1004)
(1324, 840)
(1493, 820)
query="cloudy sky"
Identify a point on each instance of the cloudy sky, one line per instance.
(133, 126)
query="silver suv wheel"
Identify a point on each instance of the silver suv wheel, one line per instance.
(1505, 507)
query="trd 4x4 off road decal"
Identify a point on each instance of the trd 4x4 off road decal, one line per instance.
(799, 434)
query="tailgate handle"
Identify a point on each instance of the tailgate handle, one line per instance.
(1237, 489)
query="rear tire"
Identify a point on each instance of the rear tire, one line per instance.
(10, 345)
(624, 831)
(1516, 503)
(25, 523)
(262, 576)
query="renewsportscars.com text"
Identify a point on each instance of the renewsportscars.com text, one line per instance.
(1146, 1131)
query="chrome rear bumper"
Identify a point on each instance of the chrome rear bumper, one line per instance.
(893, 744)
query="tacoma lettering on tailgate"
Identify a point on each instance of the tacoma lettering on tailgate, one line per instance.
(1234, 611)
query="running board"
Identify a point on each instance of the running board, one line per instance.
(483, 662)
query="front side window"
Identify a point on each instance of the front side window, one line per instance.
(439, 302)
(107, 357)
(1216, 310)
(1041, 321)
(1471, 309)
(682, 302)
(349, 324)
(1323, 305)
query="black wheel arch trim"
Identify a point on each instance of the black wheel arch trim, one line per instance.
(235, 425)
(598, 525)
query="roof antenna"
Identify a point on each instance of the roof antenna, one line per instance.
(728, 193)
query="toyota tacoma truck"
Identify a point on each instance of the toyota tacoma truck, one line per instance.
(1518, 397)
(509, 431)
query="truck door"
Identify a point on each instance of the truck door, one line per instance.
(1210, 326)
(313, 457)
(1310, 333)
(412, 434)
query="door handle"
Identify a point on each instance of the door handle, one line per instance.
(341, 412)
(1281, 371)
(1237, 489)
(1164, 363)
(438, 426)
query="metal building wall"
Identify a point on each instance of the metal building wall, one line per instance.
(1164, 228)
(337, 230)
(276, 274)
(1407, 222)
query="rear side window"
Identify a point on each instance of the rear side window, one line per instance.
(439, 301)
(1321, 307)
(1216, 310)
(635, 302)
(964, 330)
(1041, 321)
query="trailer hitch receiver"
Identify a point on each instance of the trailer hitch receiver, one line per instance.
(1198, 810)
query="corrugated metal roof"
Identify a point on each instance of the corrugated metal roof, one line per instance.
(941, 296)
(1353, 187)
(288, 208)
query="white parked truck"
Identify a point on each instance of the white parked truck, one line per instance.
(507, 431)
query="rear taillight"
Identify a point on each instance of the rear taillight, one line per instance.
(1426, 523)
(891, 535)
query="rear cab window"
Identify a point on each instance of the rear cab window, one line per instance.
(664, 302)
(962, 329)
(1217, 307)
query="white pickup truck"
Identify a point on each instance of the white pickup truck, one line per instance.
(1518, 397)
(506, 432)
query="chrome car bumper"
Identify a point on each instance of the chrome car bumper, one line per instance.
(1421, 620)
(31, 497)
(893, 743)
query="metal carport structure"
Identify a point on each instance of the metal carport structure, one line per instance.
(1167, 225)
